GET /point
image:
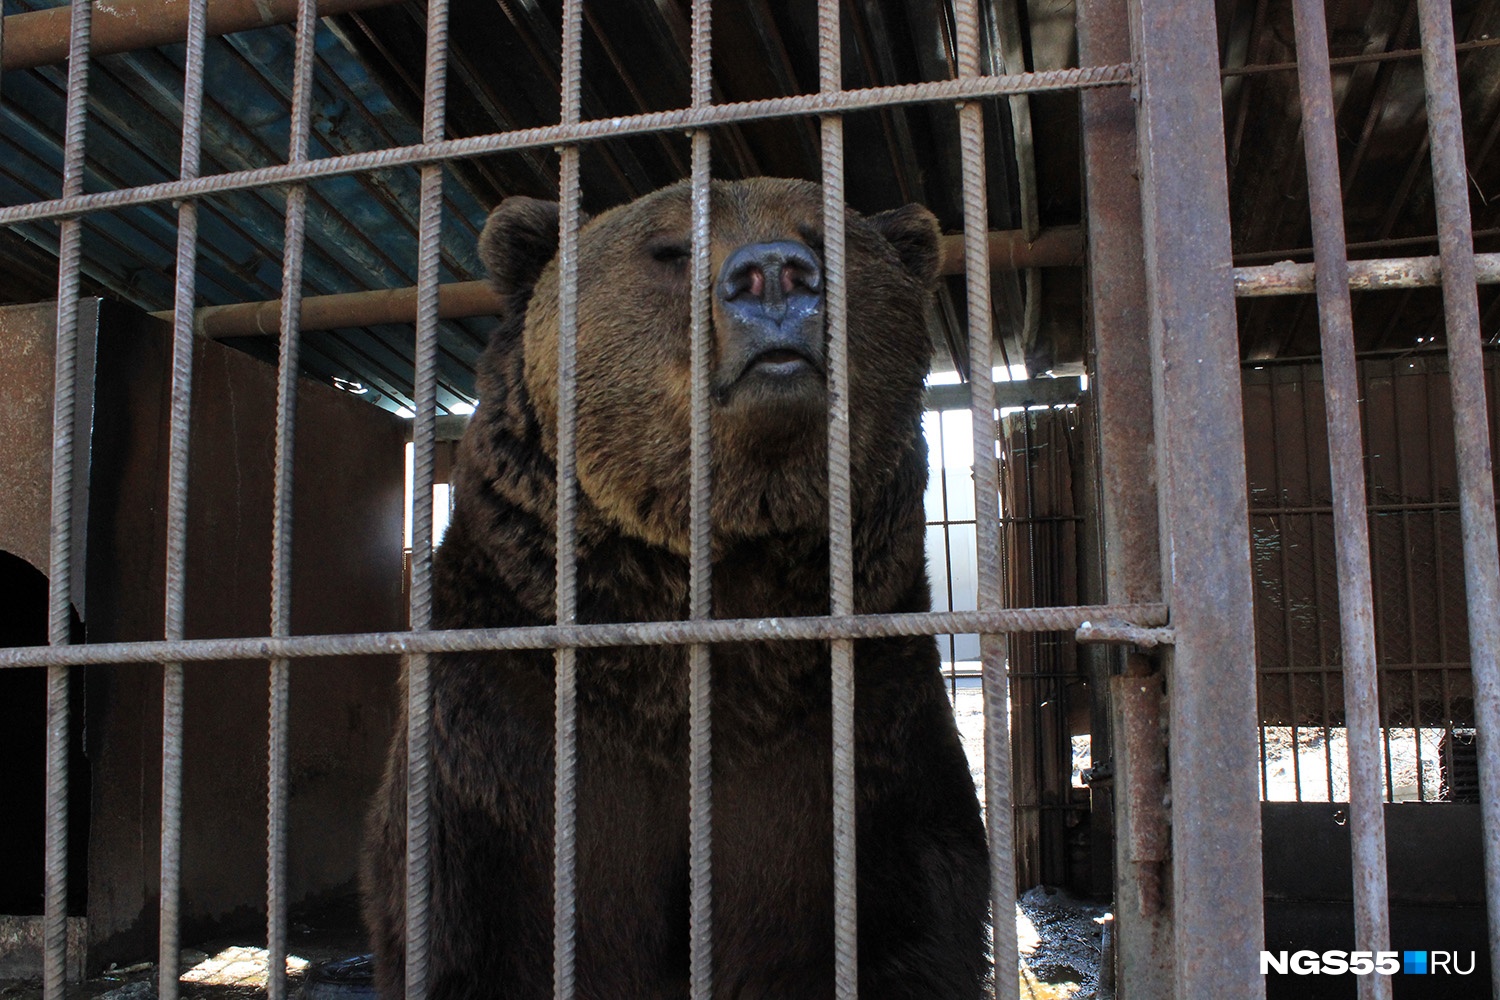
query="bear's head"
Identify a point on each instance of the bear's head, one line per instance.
(768, 383)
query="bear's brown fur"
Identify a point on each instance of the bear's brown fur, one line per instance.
(922, 875)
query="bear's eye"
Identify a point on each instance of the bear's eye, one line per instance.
(674, 254)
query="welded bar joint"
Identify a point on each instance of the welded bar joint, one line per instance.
(1124, 634)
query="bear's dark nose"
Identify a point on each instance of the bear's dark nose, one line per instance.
(771, 295)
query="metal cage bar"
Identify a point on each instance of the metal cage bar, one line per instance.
(565, 923)
(550, 136)
(1351, 520)
(1470, 426)
(840, 509)
(592, 636)
(999, 817)
(700, 540)
(278, 741)
(1287, 278)
(424, 405)
(179, 432)
(60, 563)
(1216, 845)
(841, 626)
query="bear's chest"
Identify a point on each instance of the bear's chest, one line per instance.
(635, 701)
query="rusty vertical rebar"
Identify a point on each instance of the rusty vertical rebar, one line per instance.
(424, 404)
(278, 721)
(179, 432)
(1372, 930)
(60, 563)
(840, 510)
(700, 727)
(1217, 885)
(997, 753)
(565, 875)
(1470, 427)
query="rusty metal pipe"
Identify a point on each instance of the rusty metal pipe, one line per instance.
(1372, 928)
(1059, 247)
(1363, 58)
(1450, 186)
(40, 37)
(348, 309)
(1010, 250)
(1289, 278)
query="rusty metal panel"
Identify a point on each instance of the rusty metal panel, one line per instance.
(1117, 320)
(346, 564)
(1210, 672)
(1039, 544)
(1117, 324)
(27, 342)
(1420, 620)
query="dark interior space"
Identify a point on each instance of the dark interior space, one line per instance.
(23, 747)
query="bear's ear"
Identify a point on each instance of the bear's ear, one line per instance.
(519, 238)
(913, 231)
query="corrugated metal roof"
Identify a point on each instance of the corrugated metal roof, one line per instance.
(504, 70)
(504, 74)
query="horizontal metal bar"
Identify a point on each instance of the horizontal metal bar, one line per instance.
(1009, 249)
(40, 37)
(1025, 392)
(1374, 508)
(1288, 278)
(549, 136)
(1366, 248)
(456, 300)
(448, 427)
(1334, 668)
(1358, 60)
(1120, 632)
(587, 636)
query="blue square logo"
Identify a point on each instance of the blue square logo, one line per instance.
(1414, 962)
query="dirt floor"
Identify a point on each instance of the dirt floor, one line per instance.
(1060, 937)
(1060, 940)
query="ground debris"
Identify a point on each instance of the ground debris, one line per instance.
(1060, 939)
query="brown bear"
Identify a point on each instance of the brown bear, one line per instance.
(922, 873)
